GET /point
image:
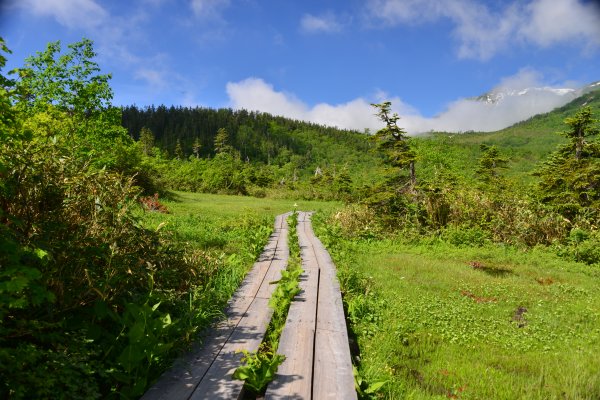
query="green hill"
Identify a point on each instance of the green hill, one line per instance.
(260, 138)
(526, 143)
(296, 149)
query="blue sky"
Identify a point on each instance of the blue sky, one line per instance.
(324, 60)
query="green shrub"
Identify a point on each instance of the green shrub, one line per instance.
(465, 236)
(584, 246)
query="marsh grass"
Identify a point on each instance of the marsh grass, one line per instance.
(517, 325)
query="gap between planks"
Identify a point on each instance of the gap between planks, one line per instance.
(315, 339)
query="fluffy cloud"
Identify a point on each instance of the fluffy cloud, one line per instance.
(326, 23)
(483, 32)
(74, 14)
(552, 21)
(516, 98)
(516, 101)
(256, 94)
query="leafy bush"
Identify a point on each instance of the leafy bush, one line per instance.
(81, 278)
(259, 369)
(464, 236)
(584, 246)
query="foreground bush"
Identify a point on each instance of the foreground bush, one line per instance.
(92, 303)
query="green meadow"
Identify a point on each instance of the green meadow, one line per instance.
(433, 320)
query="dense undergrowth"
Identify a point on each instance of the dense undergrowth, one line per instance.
(93, 302)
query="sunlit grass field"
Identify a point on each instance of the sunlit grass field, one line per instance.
(431, 320)
(439, 321)
(208, 220)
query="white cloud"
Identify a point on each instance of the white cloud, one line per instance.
(459, 116)
(326, 23)
(483, 32)
(516, 101)
(256, 94)
(73, 14)
(552, 21)
(208, 8)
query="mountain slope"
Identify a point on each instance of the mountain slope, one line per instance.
(526, 143)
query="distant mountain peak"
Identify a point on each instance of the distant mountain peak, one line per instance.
(498, 95)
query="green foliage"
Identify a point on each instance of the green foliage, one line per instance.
(69, 82)
(81, 277)
(584, 246)
(287, 287)
(259, 369)
(146, 338)
(222, 141)
(179, 151)
(278, 155)
(465, 236)
(146, 141)
(570, 178)
(490, 162)
(393, 141)
(364, 389)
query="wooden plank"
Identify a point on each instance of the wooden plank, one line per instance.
(323, 347)
(248, 334)
(333, 377)
(332, 371)
(218, 382)
(294, 376)
(181, 380)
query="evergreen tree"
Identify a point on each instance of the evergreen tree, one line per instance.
(222, 141)
(179, 151)
(570, 178)
(394, 143)
(146, 140)
(490, 162)
(196, 147)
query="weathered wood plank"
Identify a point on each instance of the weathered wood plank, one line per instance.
(217, 383)
(183, 378)
(315, 337)
(332, 373)
(294, 376)
(248, 334)
(333, 377)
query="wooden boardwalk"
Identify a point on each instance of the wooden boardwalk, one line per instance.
(314, 339)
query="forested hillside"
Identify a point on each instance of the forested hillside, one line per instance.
(259, 137)
(526, 143)
(200, 149)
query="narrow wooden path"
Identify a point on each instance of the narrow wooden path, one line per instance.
(314, 339)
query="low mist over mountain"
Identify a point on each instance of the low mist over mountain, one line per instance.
(501, 107)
